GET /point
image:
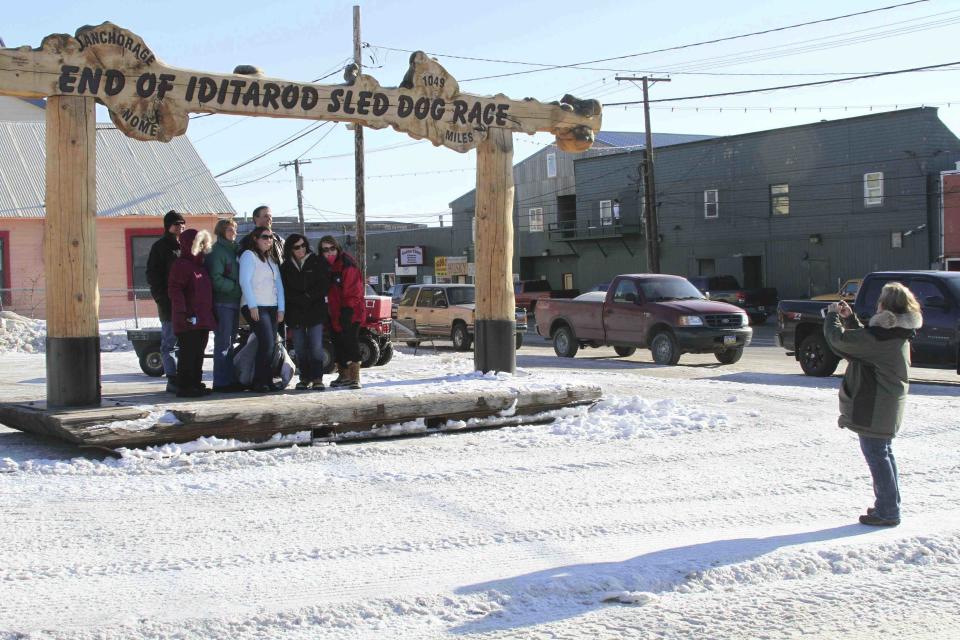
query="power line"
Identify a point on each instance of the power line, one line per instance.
(788, 86)
(548, 67)
(310, 128)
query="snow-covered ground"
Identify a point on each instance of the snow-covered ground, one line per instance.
(719, 504)
(19, 334)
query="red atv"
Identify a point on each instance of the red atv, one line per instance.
(375, 346)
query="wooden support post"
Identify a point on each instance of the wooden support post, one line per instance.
(70, 254)
(495, 324)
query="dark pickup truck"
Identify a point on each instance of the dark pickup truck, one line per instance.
(759, 304)
(661, 312)
(528, 293)
(800, 323)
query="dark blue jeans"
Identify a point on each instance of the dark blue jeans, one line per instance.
(883, 468)
(266, 331)
(308, 343)
(168, 345)
(228, 321)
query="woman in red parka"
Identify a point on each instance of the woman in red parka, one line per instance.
(345, 303)
(191, 298)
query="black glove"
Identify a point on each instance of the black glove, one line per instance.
(346, 316)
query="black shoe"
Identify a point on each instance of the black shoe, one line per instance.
(874, 521)
(303, 385)
(171, 384)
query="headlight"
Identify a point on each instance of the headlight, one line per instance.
(691, 321)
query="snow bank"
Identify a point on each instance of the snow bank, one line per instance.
(19, 334)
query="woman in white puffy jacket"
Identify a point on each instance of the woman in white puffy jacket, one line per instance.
(263, 297)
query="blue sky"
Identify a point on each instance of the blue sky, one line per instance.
(304, 40)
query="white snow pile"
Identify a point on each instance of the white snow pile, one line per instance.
(19, 334)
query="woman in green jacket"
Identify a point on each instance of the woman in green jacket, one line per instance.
(224, 268)
(875, 386)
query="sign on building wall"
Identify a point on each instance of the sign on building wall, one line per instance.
(410, 256)
(403, 271)
(457, 265)
(440, 267)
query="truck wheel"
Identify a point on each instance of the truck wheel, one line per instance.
(519, 340)
(461, 339)
(369, 351)
(729, 356)
(564, 343)
(625, 352)
(816, 358)
(151, 363)
(664, 349)
(758, 318)
(329, 357)
(386, 354)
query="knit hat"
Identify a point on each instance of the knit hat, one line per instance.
(172, 217)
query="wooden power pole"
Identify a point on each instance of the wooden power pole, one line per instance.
(296, 171)
(650, 185)
(361, 206)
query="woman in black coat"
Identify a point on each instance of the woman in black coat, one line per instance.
(306, 280)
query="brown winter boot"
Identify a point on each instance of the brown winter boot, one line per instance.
(353, 370)
(343, 377)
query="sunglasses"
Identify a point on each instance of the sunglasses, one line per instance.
(329, 249)
(299, 246)
(265, 237)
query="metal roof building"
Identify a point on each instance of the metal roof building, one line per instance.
(134, 178)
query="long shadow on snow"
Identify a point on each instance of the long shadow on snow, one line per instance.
(579, 585)
(917, 387)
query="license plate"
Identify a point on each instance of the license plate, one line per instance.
(727, 340)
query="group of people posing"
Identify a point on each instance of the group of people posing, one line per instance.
(200, 286)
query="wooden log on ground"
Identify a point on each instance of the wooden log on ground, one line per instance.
(258, 418)
(70, 254)
(495, 324)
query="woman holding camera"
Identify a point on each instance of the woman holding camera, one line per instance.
(875, 385)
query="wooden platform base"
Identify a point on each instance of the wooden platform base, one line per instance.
(256, 419)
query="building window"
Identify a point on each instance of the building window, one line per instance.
(139, 242)
(711, 203)
(5, 295)
(536, 219)
(780, 199)
(873, 189)
(551, 165)
(606, 212)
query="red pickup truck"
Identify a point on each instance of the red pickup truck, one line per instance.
(663, 313)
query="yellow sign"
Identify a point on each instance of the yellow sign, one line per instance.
(440, 267)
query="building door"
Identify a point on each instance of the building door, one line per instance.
(706, 267)
(752, 272)
(567, 215)
(818, 278)
(567, 281)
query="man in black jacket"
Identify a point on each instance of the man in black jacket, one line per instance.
(162, 255)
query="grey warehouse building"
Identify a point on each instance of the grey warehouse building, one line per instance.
(797, 208)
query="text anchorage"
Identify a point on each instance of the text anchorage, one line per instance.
(99, 82)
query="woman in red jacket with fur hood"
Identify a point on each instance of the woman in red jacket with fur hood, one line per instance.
(345, 302)
(191, 297)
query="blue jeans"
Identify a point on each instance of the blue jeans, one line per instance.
(883, 468)
(228, 321)
(308, 343)
(168, 344)
(266, 331)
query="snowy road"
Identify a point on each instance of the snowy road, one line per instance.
(691, 502)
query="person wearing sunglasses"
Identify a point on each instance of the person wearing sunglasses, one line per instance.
(163, 253)
(262, 295)
(345, 303)
(306, 281)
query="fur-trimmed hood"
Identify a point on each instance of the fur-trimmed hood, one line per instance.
(890, 320)
(195, 244)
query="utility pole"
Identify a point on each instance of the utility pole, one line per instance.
(650, 185)
(358, 161)
(296, 170)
